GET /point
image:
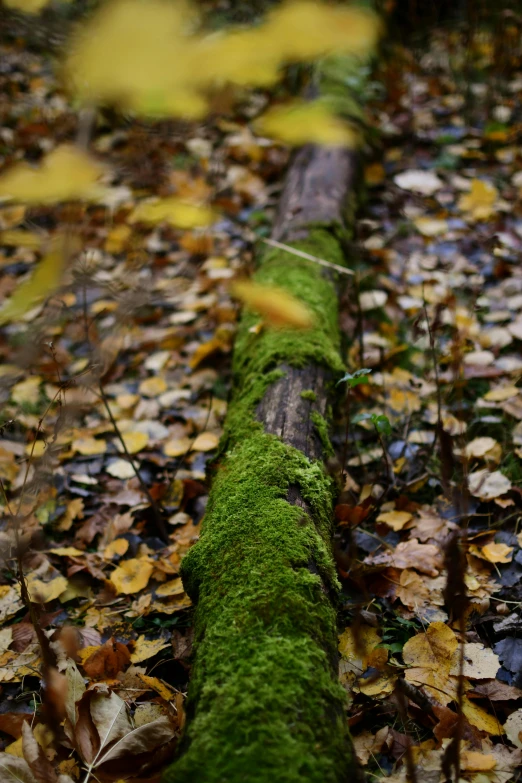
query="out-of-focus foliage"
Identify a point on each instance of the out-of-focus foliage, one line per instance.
(149, 58)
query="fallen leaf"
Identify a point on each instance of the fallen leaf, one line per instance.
(480, 202)
(134, 442)
(88, 446)
(145, 648)
(513, 728)
(66, 173)
(488, 486)
(479, 447)
(479, 662)
(419, 181)
(205, 441)
(371, 300)
(395, 519)
(481, 719)
(153, 387)
(429, 656)
(121, 468)
(43, 592)
(174, 211)
(473, 761)
(107, 661)
(132, 575)
(164, 690)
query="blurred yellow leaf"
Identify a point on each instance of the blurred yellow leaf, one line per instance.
(479, 203)
(174, 211)
(174, 587)
(88, 446)
(205, 441)
(177, 447)
(275, 305)
(66, 551)
(474, 761)
(27, 391)
(144, 56)
(132, 575)
(299, 123)
(395, 519)
(493, 553)
(145, 648)
(42, 592)
(117, 547)
(66, 173)
(20, 238)
(27, 6)
(132, 52)
(134, 442)
(153, 387)
(44, 280)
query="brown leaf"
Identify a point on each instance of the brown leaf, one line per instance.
(15, 770)
(494, 690)
(107, 661)
(34, 754)
(139, 740)
(11, 723)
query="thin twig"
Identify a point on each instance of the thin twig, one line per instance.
(328, 264)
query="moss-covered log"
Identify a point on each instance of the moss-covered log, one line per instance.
(264, 700)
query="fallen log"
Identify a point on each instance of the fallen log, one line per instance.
(264, 700)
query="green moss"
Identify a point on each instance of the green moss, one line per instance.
(321, 425)
(264, 694)
(309, 394)
(264, 700)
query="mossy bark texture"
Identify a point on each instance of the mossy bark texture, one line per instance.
(265, 705)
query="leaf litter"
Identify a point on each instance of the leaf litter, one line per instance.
(145, 308)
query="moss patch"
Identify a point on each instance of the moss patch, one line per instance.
(321, 425)
(264, 700)
(309, 394)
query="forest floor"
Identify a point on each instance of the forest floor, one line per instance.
(432, 441)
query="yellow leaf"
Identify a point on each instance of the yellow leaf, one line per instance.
(20, 238)
(36, 448)
(66, 551)
(356, 646)
(145, 648)
(479, 447)
(429, 656)
(41, 284)
(502, 394)
(497, 553)
(131, 52)
(473, 761)
(117, 547)
(117, 238)
(153, 387)
(42, 592)
(206, 441)
(478, 717)
(27, 6)
(174, 211)
(177, 447)
(88, 446)
(276, 305)
(479, 203)
(395, 519)
(121, 469)
(66, 173)
(301, 123)
(431, 227)
(27, 392)
(134, 442)
(159, 686)
(174, 587)
(318, 29)
(132, 575)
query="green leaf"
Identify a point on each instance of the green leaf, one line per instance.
(355, 378)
